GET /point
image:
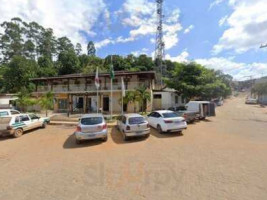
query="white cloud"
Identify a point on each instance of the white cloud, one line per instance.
(247, 27)
(105, 42)
(238, 70)
(142, 51)
(140, 16)
(223, 20)
(183, 57)
(215, 3)
(66, 17)
(189, 29)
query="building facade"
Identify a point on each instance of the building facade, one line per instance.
(166, 98)
(77, 93)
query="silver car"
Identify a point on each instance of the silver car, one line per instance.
(91, 126)
(132, 125)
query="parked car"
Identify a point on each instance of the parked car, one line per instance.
(190, 116)
(133, 125)
(218, 102)
(91, 126)
(166, 121)
(16, 125)
(8, 112)
(251, 100)
(203, 108)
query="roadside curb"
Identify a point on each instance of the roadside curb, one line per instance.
(60, 123)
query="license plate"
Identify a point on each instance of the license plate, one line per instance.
(138, 132)
(91, 135)
(177, 122)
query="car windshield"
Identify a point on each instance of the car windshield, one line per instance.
(3, 113)
(136, 120)
(91, 120)
(169, 115)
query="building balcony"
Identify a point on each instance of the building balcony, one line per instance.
(79, 88)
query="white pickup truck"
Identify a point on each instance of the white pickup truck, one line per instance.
(15, 125)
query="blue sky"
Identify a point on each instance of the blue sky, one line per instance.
(220, 34)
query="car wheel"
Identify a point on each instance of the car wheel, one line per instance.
(105, 139)
(159, 129)
(125, 138)
(78, 141)
(147, 135)
(18, 133)
(44, 124)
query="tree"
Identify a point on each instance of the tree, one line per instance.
(91, 51)
(143, 96)
(78, 49)
(11, 42)
(131, 97)
(68, 63)
(46, 67)
(47, 101)
(24, 100)
(48, 44)
(195, 81)
(18, 72)
(64, 44)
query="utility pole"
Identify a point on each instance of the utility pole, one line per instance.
(160, 46)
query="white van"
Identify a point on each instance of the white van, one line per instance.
(203, 108)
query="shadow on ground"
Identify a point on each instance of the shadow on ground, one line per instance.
(116, 136)
(155, 133)
(70, 143)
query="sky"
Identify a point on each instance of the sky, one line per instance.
(220, 34)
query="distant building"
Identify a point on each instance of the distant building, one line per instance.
(166, 98)
(77, 92)
(7, 100)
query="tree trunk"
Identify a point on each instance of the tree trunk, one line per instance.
(46, 113)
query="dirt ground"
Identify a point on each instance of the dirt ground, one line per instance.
(221, 158)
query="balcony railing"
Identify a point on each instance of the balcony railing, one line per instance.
(91, 87)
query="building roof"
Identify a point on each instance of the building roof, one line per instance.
(117, 73)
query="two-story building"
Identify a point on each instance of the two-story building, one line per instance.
(78, 93)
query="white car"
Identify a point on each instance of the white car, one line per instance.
(251, 101)
(8, 112)
(166, 121)
(91, 126)
(15, 125)
(132, 125)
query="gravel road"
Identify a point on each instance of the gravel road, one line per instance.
(221, 158)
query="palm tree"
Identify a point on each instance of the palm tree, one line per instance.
(131, 97)
(143, 96)
(47, 101)
(24, 100)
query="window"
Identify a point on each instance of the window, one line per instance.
(123, 120)
(17, 119)
(176, 99)
(157, 115)
(24, 118)
(4, 113)
(91, 120)
(136, 120)
(169, 115)
(14, 112)
(33, 116)
(157, 96)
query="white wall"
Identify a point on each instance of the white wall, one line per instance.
(168, 99)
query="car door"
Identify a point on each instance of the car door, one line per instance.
(25, 119)
(123, 123)
(35, 121)
(157, 119)
(150, 119)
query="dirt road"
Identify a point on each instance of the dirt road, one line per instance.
(222, 158)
